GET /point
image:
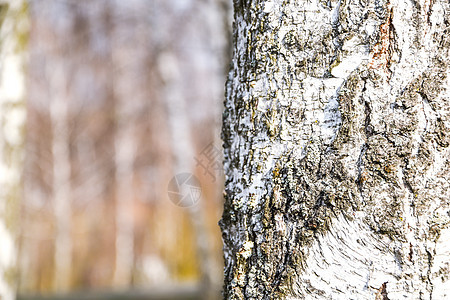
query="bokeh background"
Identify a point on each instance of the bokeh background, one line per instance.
(102, 103)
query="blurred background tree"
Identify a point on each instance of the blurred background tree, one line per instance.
(120, 97)
(13, 34)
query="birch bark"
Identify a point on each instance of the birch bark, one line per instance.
(336, 143)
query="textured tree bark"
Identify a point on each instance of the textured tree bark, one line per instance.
(336, 143)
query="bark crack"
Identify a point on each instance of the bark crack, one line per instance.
(382, 292)
(362, 175)
(382, 52)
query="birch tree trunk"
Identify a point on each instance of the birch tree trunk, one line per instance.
(59, 114)
(182, 148)
(126, 57)
(13, 33)
(336, 143)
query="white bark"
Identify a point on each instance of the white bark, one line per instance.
(13, 25)
(337, 151)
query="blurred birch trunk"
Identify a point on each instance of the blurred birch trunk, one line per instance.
(336, 134)
(13, 33)
(126, 58)
(176, 75)
(56, 75)
(183, 153)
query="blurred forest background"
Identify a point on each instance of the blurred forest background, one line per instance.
(102, 102)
